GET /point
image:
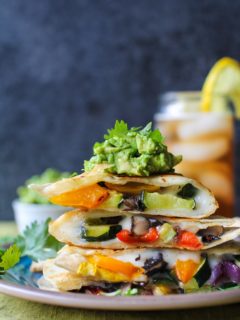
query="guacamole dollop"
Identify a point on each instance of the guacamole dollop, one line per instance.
(48, 176)
(133, 152)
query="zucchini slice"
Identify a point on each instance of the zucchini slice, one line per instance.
(103, 220)
(99, 233)
(203, 272)
(156, 200)
(237, 257)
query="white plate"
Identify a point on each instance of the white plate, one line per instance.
(85, 301)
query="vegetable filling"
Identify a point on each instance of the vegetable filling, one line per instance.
(147, 229)
(160, 278)
(107, 196)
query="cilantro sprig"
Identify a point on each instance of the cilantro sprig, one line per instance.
(37, 243)
(120, 129)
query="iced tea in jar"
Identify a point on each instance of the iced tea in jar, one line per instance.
(204, 139)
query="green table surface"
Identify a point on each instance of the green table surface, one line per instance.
(18, 309)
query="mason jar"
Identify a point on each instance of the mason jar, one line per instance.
(204, 139)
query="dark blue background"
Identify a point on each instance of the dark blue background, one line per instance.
(68, 69)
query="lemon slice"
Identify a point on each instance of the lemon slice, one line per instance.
(221, 86)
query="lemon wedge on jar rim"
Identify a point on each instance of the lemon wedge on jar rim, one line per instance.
(222, 86)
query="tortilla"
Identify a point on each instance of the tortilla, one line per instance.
(67, 229)
(205, 203)
(56, 278)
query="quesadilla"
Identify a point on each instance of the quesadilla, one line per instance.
(143, 271)
(114, 231)
(168, 195)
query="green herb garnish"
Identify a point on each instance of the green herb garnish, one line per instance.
(9, 258)
(121, 292)
(37, 243)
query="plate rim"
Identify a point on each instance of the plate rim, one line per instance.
(134, 303)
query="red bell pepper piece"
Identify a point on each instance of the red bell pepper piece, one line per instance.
(151, 236)
(188, 240)
(127, 237)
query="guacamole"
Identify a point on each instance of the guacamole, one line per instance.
(133, 152)
(30, 196)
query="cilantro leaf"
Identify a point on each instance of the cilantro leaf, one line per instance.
(156, 136)
(37, 243)
(9, 258)
(120, 129)
(121, 292)
(147, 129)
(130, 292)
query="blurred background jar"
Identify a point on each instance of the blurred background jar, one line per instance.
(205, 139)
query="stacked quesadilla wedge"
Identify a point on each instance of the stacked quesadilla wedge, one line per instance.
(149, 271)
(137, 227)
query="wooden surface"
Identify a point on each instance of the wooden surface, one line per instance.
(17, 309)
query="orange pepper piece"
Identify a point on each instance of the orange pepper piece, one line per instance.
(185, 270)
(88, 197)
(115, 265)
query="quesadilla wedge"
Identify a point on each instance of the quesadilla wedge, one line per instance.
(95, 229)
(143, 271)
(168, 195)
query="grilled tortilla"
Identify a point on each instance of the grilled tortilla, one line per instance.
(168, 195)
(114, 231)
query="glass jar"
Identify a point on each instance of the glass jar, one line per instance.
(205, 139)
